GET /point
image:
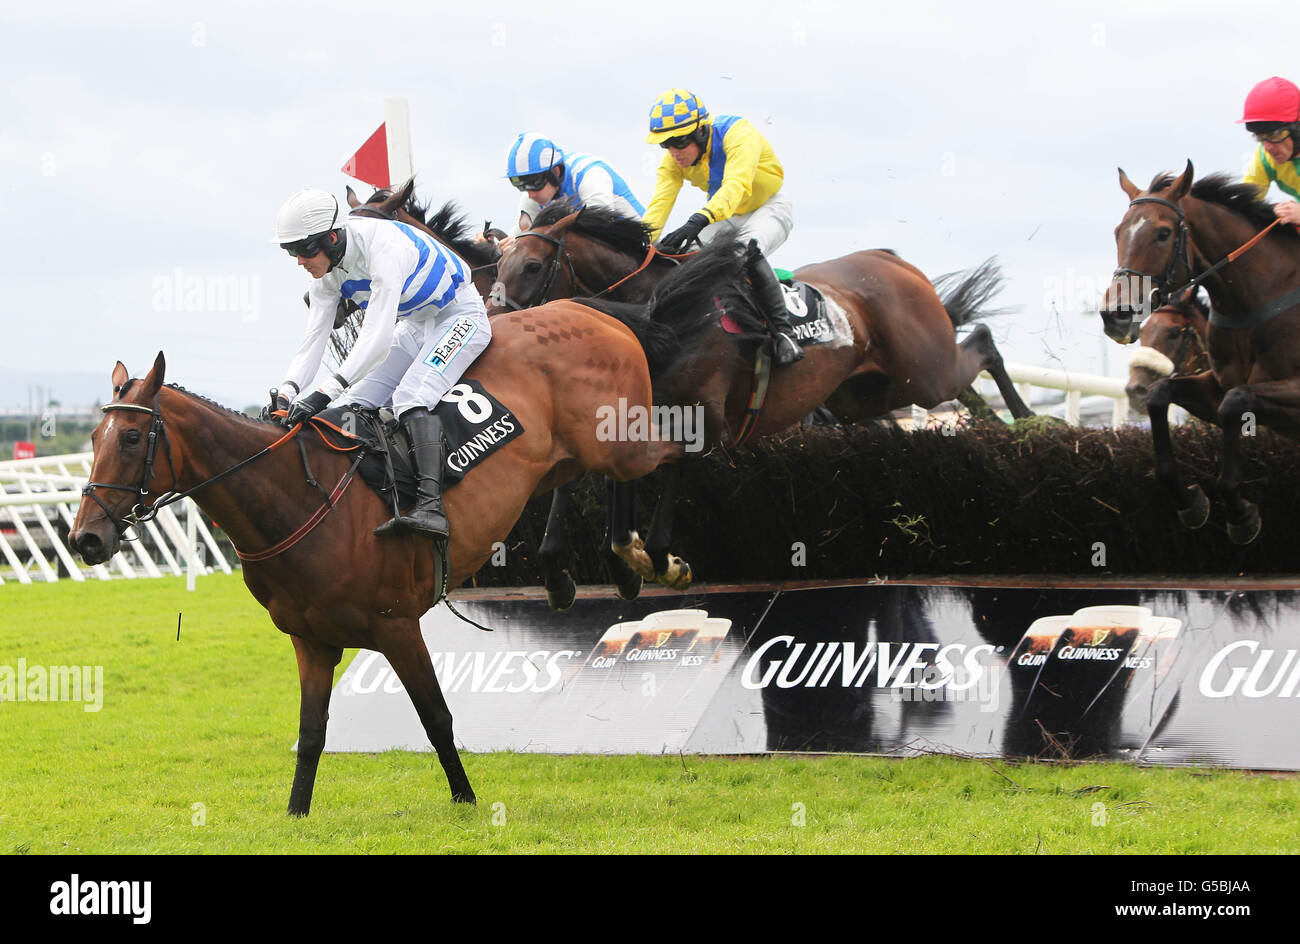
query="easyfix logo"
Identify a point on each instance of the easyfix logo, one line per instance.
(1268, 672)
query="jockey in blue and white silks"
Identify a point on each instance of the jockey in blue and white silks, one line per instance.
(535, 166)
(424, 325)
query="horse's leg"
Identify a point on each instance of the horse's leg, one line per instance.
(404, 648)
(555, 553)
(1275, 404)
(316, 676)
(978, 352)
(1200, 396)
(628, 562)
(670, 570)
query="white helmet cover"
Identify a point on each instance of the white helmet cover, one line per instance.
(307, 213)
(530, 154)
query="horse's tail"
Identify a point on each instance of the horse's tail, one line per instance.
(965, 295)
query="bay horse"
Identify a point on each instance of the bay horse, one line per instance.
(893, 342)
(1172, 345)
(1174, 235)
(339, 585)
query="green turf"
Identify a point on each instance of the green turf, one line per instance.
(210, 720)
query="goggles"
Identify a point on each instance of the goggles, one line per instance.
(677, 143)
(1273, 137)
(530, 184)
(305, 248)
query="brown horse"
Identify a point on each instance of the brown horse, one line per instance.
(1173, 345)
(1174, 235)
(339, 585)
(892, 343)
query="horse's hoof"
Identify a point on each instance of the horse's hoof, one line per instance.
(561, 597)
(677, 576)
(1197, 511)
(630, 589)
(466, 797)
(1247, 527)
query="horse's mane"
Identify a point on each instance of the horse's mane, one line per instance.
(121, 392)
(450, 224)
(689, 303)
(602, 223)
(1222, 190)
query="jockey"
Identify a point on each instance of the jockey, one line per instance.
(1272, 115)
(542, 172)
(728, 159)
(424, 325)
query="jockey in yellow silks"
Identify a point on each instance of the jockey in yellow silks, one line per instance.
(729, 160)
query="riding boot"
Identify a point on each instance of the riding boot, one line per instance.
(429, 452)
(771, 300)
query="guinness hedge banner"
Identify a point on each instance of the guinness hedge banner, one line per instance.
(1155, 676)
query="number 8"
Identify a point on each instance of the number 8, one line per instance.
(474, 407)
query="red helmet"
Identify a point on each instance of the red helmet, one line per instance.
(1273, 99)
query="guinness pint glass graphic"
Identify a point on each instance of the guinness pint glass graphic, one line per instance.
(646, 683)
(1067, 699)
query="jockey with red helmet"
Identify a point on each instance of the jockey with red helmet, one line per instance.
(728, 159)
(1272, 115)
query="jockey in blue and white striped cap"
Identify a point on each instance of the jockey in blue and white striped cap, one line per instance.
(424, 324)
(544, 173)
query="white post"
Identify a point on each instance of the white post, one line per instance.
(191, 545)
(397, 125)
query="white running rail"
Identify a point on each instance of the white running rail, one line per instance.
(38, 502)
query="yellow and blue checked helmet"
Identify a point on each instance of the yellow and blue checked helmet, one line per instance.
(677, 112)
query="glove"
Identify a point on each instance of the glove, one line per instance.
(278, 402)
(304, 408)
(680, 238)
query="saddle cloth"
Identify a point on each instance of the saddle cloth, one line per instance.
(806, 307)
(475, 424)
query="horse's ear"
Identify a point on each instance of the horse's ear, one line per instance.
(405, 191)
(155, 378)
(1182, 184)
(1128, 186)
(353, 200)
(120, 376)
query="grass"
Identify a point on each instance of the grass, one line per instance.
(191, 753)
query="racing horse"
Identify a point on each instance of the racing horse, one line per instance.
(892, 340)
(1177, 234)
(331, 583)
(1173, 345)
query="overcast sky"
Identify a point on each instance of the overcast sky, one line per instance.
(145, 141)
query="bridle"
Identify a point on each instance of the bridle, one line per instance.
(538, 297)
(141, 513)
(1181, 251)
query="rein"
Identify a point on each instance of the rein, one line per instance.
(140, 514)
(560, 250)
(1182, 248)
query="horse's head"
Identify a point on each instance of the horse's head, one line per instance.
(1173, 343)
(124, 472)
(1154, 255)
(527, 272)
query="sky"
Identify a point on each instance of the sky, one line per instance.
(146, 145)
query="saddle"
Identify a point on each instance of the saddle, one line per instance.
(475, 424)
(806, 307)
